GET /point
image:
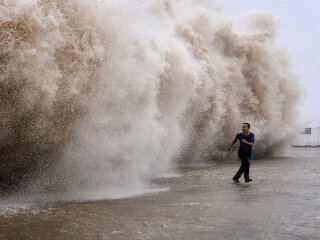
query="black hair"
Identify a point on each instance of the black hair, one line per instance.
(248, 124)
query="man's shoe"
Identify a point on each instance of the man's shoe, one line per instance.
(236, 180)
(248, 180)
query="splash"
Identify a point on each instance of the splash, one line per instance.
(108, 95)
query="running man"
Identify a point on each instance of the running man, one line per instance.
(246, 139)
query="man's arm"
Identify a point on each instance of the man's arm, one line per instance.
(233, 142)
(246, 142)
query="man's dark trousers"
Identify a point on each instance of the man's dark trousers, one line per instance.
(244, 168)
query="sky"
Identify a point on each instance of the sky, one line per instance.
(299, 32)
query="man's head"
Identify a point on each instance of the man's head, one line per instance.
(245, 127)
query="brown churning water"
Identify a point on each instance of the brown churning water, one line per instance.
(100, 95)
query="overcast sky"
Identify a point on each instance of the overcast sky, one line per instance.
(300, 34)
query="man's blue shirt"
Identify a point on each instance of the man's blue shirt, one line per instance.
(245, 149)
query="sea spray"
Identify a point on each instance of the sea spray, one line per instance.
(107, 95)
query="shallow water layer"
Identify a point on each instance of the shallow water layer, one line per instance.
(282, 202)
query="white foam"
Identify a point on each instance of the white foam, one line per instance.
(109, 94)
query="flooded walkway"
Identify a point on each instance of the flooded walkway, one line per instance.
(282, 202)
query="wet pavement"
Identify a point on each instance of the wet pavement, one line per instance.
(282, 202)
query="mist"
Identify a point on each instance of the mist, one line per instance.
(104, 96)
